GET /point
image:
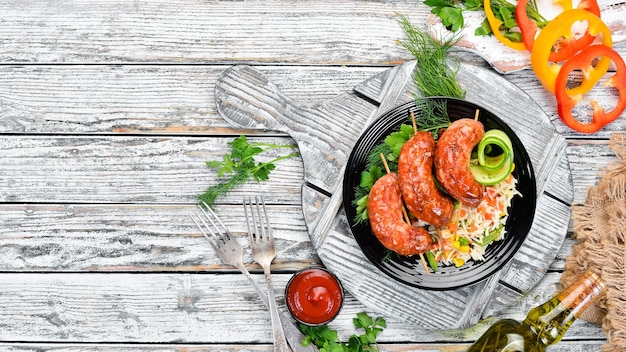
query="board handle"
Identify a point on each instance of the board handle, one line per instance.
(247, 99)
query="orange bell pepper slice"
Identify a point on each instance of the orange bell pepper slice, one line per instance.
(566, 101)
(561, 26)
(569, 46)
(495, 24)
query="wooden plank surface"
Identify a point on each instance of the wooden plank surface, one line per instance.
(178, 157)
(107, 115)
(180, 31)
(179, 308)
(174, 100)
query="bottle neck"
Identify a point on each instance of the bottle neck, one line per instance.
(582, 292)
(551, 320)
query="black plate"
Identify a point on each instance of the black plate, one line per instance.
(409, 270)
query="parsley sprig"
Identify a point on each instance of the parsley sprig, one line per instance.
(451, 11)
(328, 340)
(451, 14)
(239, 166)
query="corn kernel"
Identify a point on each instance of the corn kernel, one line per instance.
(456, 244)
(464, 249)
(458, 262)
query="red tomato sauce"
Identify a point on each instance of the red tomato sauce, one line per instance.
(314, 296)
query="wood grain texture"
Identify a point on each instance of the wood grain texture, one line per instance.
(116, 31)
(148, 99)
(73, 308)
(107, 115)
(125, 169)
(136, 238)
(175, 100)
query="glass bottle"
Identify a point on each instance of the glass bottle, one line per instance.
(544, 325)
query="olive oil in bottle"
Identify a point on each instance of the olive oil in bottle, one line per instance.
(544, 325)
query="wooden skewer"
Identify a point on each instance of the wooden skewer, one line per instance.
(382, 157)
(476, 114)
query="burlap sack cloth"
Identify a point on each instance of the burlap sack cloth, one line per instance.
(600, 230)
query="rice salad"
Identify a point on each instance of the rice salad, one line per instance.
(471, 231)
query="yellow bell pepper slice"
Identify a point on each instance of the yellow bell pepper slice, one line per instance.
(495, 24)
(561, 26)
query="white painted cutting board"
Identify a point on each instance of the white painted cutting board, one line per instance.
(326, 133)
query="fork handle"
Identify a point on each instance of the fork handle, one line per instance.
(280, 342)
(293, 335)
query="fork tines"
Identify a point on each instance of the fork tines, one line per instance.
(213, 229)
(262, 228)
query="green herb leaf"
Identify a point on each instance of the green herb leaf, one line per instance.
(433, 116)
(484, 29)
(438, 3)
(361, 208)
(362, 320)
(452, 18)
(473, 5)
(451, 15)
(513, 36)
(241, 167)
(507, 12)
(369, 177)
(396, 140)
(328, 341)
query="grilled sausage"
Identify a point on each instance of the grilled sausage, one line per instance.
(384, 209)
(452, 157)
(420, 194)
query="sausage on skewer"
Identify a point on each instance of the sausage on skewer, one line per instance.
(384, 209)
(418, 188)
(452, 157)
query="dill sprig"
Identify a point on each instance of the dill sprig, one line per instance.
(433, 115)
(239, 167)
(220, 189)
(435, 74)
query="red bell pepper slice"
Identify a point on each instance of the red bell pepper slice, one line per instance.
(569, 46)
(566, 102)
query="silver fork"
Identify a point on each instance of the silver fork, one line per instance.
(264, 252)
(230, 252)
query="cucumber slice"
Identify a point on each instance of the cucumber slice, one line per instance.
(494, 150)
(492, 162)
(492, 177)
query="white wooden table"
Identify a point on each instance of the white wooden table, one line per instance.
(107, 115)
